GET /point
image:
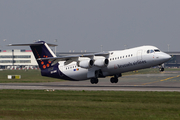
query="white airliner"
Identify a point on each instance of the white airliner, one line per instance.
(94, 66)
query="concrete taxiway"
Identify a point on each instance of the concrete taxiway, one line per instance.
(165, 81)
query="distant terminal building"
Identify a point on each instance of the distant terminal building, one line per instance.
(175, 60)
(17, 59)
(24, 59)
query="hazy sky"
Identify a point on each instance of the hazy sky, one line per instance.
(88, 24)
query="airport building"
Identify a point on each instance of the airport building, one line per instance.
(175, 60)
(17, 59)
(24, 59)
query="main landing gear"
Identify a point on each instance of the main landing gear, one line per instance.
(94, 80)
(112, 80)
(115, 78)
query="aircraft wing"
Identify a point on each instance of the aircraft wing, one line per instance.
(102, 54)
(71, 58)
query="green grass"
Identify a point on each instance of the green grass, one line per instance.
(28, 76)
(84, 105)
(88, 105)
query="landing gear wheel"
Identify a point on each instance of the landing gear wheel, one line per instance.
(161, 69)
(114, 80)
(94, 80)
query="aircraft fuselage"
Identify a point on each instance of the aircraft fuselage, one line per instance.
(119, 62)
(96, 65)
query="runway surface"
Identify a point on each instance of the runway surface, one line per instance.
(165, 81)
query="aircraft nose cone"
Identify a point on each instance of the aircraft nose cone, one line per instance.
(169, 57)
(163, 57)
(166, 57)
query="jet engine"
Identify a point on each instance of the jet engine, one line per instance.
(86, 63)
(101, 62)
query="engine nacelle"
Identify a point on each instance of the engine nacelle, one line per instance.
(86, 63)
(101, 62)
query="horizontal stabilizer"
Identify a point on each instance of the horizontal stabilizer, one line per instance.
(32, 44)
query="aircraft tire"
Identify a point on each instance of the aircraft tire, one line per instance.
(94, 80)
(161, 69)
(114, 80)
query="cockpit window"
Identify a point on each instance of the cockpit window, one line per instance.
(156, 50)
(150, 51)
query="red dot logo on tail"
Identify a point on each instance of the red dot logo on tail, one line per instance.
(44, 66)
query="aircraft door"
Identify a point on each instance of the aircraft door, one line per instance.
(139, 55)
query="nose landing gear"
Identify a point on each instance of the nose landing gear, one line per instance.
(161, 67)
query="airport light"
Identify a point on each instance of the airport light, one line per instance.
(125, 46)
(168, 46)
(101, 47)
(55, 46)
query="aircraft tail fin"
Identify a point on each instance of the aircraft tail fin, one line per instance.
(40, 49)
